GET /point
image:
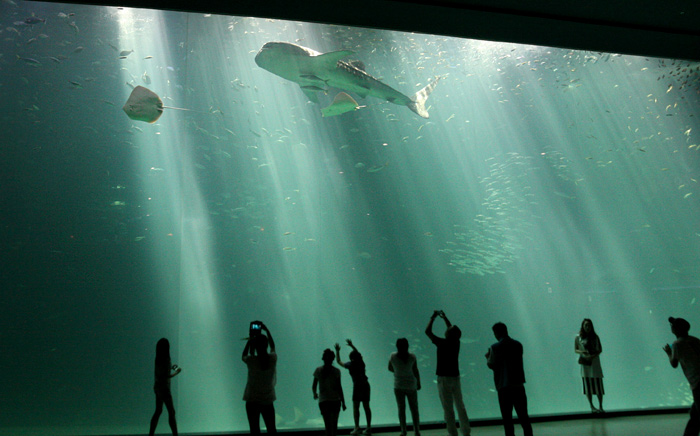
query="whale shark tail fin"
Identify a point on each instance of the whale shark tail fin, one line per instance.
(417, 104)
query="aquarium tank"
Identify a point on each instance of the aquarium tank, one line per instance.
(531, 185)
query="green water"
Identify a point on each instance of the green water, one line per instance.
(547, 186)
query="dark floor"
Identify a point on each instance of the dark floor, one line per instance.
(658, 423)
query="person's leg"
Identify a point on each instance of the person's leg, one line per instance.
(168, 400)
(520, 404)
(464, 425)
(268, 415)
(253, 412)
(401, 404)
(693, 426)
(156, 415)
(445, 392)
(368, 416)
(587, 392)
(356, 416)
(413, 405)
(335, 414)
(325, 413)
(505, 402)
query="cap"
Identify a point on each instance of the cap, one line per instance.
(680, 324)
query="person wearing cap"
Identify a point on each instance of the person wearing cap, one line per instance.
(686, 351)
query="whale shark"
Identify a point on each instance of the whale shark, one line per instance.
(316, 72)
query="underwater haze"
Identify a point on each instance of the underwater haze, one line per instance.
(547, 186)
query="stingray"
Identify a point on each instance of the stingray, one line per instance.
(145, 105)
(341, 103)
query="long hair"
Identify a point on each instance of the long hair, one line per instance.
(402, 348)
(163, 354)
(591, 337)
(582, 331)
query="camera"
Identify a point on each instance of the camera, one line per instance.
(255, 328)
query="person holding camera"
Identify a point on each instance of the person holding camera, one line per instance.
(164, 371)
(259, 392)
(588, 347)
(449, 384)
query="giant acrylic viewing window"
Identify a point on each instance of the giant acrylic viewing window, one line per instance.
(546, 186)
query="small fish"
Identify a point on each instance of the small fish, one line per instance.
(376, 168)
(148, 57)
(34, 20)
(125, 52)
(29, 61)
(74, 26)
(78, 49)
(146, 78)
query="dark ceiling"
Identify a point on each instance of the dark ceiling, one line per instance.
(669, 28)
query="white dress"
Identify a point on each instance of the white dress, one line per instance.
(592, 374)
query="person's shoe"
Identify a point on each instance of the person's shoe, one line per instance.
(356, 431)
(367, 432)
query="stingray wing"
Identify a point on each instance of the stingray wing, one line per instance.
(143, 105)
(341, 103)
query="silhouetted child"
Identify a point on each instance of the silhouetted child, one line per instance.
(161, 387)
(360, 387)
(329, 392)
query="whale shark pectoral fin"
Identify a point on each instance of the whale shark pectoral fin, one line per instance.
(330, 59)
(310, 94)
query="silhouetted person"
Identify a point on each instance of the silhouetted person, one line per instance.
(164, 371)
(406, 384)
(259, 392)
(448, 381)
(505, 358)
(360, 387)
(329, 392)
(686, 351)
(587, 345)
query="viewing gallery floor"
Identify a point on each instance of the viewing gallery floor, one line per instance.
(656, 425)
(664, 424)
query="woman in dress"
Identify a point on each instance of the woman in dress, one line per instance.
(406, 384)
(164, 371)
(588, 347)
